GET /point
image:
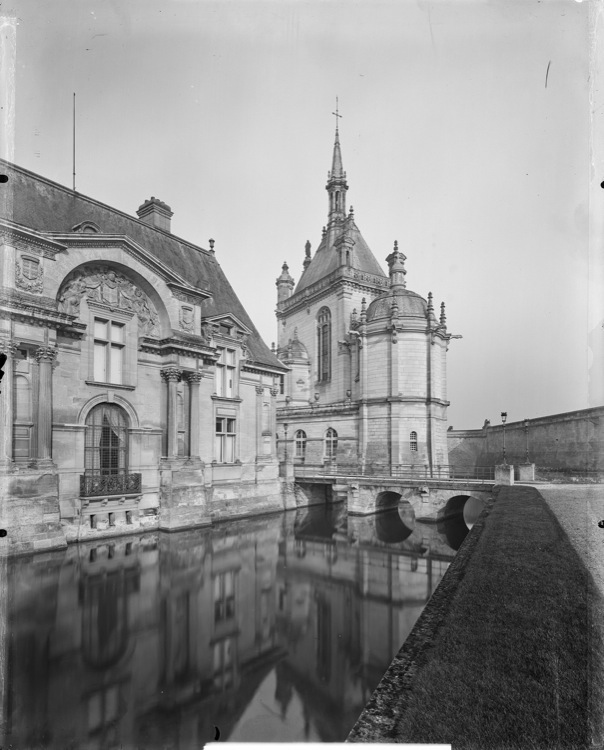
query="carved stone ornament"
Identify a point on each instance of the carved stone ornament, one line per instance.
(46, 354)
(171, 374)
(187, 319)
(104, 286)
(29, 275)
(9, 348)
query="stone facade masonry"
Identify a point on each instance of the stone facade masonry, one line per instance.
(94, 324)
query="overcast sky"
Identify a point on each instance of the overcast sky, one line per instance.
(465, 136)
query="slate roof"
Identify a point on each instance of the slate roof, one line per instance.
(45, 206)
(325, 259)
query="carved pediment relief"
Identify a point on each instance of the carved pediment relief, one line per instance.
(108, 288)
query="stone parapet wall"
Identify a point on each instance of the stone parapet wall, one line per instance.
(569, 441)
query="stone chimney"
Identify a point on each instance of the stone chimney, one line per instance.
(156, 213)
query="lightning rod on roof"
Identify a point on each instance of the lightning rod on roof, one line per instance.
(74, 140)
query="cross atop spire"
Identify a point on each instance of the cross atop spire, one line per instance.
(337, 114)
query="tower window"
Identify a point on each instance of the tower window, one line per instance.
(300, 443)
(331, 443)
(413, 441)
(324, 345)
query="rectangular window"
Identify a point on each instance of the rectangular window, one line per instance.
(225, 373)
(223, 663)
(224, 596)
(225, 440)
(109, 347)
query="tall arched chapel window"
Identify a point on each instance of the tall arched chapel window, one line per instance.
(106, 447)
(324, 345)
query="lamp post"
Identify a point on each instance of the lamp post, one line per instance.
(504, 416)
(526, 426)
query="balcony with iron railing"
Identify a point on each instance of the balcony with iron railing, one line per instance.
(105, 485)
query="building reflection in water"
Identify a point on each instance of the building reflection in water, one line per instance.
(270, 629)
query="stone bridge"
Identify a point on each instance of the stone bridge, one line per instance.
(427, 498)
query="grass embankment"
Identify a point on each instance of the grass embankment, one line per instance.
(510, 668)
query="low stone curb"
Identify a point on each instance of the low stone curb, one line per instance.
(391, 697)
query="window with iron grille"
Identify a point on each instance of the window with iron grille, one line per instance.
(413, 441)
(109, 347)
(225, 440)
(331, 443)
(106, 446)
(324, 345)
(300, 443)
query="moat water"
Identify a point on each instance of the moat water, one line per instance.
(265, 629)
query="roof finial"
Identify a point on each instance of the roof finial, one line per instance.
(396, 262)
(307, 255)
(443, 317)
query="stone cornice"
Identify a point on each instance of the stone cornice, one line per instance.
(293, 412)
(260, 369)
(123, 242)
(188, 293)
(25, 308)
(24, 238)
(177, 345)
(324, 287)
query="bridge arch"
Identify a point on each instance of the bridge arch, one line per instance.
(458, 516)
(395, 517)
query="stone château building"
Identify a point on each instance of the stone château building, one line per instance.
(367, 357)
(137, 390)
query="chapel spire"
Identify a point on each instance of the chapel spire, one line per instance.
(336, 181)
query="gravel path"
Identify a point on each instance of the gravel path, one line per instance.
(578, 509)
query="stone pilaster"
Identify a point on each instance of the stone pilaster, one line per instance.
(259, 395)
(45, 355)
(7, 405)
(273, 424)
(194, 379)
(172, 376)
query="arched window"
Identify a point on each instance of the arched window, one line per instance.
(106, 446)
(324, 345)
(300, 444)
(413, 441)
(331, 443)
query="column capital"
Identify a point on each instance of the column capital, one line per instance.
(8, 347)
(260, 390)
(274, 392)
(194, 377)
(171, 374)
(46, 354)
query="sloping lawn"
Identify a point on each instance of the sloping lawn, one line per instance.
(510, 668)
